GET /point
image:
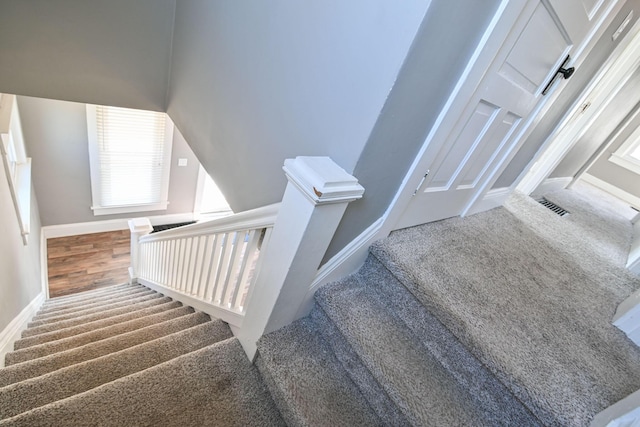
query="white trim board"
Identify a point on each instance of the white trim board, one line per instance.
(552, 184)
(11, 333)
(64, 230)
(494, 198)
(612, 189)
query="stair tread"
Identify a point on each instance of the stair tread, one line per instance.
(518, 304)
(420, 386)
(490, 393)
(87, 310)
(40, 366)
(43, 315)
(32, 393)
(213, 386)
(88, 294)
(104, 329)
(136, 303)
(312, 382)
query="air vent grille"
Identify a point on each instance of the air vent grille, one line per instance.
(552, 206)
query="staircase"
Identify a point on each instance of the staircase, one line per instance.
(126, 355)
(498, 319)
(482, 321)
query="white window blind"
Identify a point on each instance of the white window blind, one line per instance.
(130, 159)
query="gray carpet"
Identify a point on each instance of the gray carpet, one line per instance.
(525, 308)
(137, 363)
(498, 319)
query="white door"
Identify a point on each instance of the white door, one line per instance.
(459, 162)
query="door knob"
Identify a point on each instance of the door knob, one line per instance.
(565, 72)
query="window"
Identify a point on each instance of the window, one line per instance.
(130, 156)
(628, 155)
(17, 165)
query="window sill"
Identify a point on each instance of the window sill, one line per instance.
(113, 210)
(625, 162)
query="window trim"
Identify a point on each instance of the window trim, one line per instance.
(16, 164)
(92, 131)
(622, 156)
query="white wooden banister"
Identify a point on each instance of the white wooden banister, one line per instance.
(210, 265)
(253, 269)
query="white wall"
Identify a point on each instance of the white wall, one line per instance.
(19, 264)
(112, 52)
(255, 82)
(56, 138)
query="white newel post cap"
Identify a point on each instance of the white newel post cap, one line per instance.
(321, 180)
(140, 226)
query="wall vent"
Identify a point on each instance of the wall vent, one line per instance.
(555, 208)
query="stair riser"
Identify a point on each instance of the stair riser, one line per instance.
(135, 298)
(60, 327)
(44, 315)
(358, 372)
(29, 394)
(85, 335)
(461, 363)
(44, 365)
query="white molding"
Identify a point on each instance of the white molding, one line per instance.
(64, 230)
(11, 332)
(44, 268)
(612, 189)
(552, 184)
(624, 413)
(494, 198)
(626, 162)
(345, 262)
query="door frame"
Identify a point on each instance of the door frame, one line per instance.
(486, 51)
(604, 86)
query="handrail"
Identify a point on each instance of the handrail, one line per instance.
(255, 218)
(211, 265)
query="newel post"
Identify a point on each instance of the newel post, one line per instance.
(314, 201)
(139, 227)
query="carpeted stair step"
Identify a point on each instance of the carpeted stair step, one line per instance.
(37, 367)
(308, 384)
(529, 312)
(87, 295)
(102, 329)
(213, 386)
(51, 307)
(85, 311)
(467, 370)
(425, 392)
(35, 392)
(73, 308)
(94, 321)
(136, 303)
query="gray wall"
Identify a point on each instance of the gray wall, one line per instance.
(574, 86)
(433, 66)
(112, 52)
(598, 133)
(19, 264)
(253, 83)
(613, 174)
(55, 135)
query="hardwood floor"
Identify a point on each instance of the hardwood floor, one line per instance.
(89, 261)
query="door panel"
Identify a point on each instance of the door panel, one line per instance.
(461, 160)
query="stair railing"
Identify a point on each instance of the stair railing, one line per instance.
(212, 264)
(254, 269)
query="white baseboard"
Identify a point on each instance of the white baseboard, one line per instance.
(345, 262)
(11, 333)
(494, 198)
(613, 190)
(552, 184)
(64, 230)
